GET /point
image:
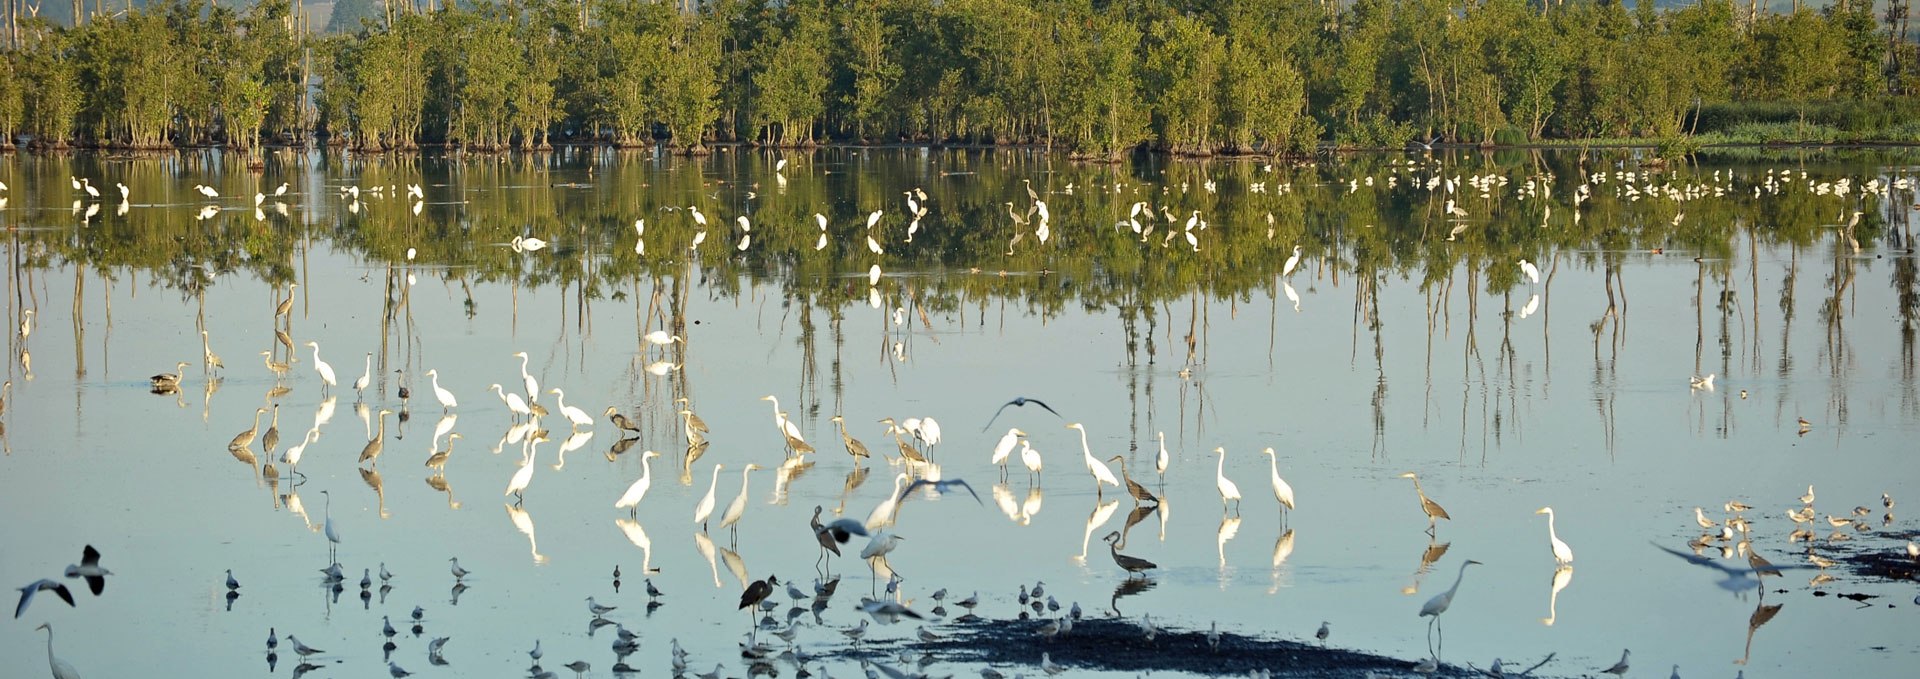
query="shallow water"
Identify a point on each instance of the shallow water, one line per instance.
(1407, 352)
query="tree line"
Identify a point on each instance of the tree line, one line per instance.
(1096, 79)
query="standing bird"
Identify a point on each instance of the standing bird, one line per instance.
(517, 486)
(1004, 449)
(333, 537)
(855, 448)
(1139, 492)
(704, 508)
(738, 508)
(1619, 669)
(832, 535)
(1444, 600)
(447, 401)
(533, 386)
(366, 375)
(515, 404)
(1286, 270)
(630, 500)
(459, 573)
(1427, 505)
(1562, 554)
(243, 439)
(61, 670)
(1228, 491)
(1133, 565)
(371, 453)
(1160, 463)
(1322, 633)
(574, 415)
(621, 421)
(661, 338)
(1530, 271)
(1101, 474)
(169, 380)
(319, 366)
(1030, 458)
(1281, 491)
(271, 440)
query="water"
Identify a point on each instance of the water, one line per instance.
(1407, 352)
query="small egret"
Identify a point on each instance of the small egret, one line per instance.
(704, 508)
(1030, 457)
(1160, 463)
(1228, 491)
(873, 218)
(1286, 270)
(1004, 449)
(1562, 554)
(319, 366)
(333, 537)
(1101, 474)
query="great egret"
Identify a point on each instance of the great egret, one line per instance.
(1562, 554)
(517, 486)
(447, 402)
(515, 404)
(577, 416)
(738, 508)
(333, 537)
(1030, 458)
(1004, 449)
(1101, 474)
(366, 375)
(1281, 491)
(533, 385)
(785, 426)
(1530, 271)
(705, 507)
(207, 191)
(1228, 491)
(291, 457)
(1286, 270)
(1160, 462)
(1444, 600)
(1427, 505)
(660, 337)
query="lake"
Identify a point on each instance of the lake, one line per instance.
(1407, 339)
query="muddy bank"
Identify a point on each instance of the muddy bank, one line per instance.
(1014, 646)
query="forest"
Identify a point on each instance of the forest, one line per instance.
(1098, 80)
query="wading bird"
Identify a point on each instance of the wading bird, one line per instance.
(1101, 474)
(1427, 505)
(1228, 491)
(630, 500)
(1133, 565)
(1281, 491)
(1444, 600)
(1562, 554)
(704, 508)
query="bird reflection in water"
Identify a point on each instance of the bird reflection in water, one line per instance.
(1031, 507)
(523, 522)
(735, 565)
(621, 447)
(1431, 554)
(1762, 613)
(1100, 515)
(1229, 527)
(439, 482)
(573, 442)
(1003, 498)
(1135, 516)
(1129, 587)
(705, 545)
(638, 536)
(1562, 576)
(371, 477)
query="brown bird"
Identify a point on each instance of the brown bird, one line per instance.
(1433, 510)
(243, 439)
(620, 420)
(286, 305)
(854, 447)
(371, 453)
(758, 591)
(1131, 564)
(1139, 492)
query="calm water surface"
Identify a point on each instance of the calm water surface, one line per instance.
(1406, 351)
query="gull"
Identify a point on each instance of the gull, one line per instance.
(458, 572)
(27, 592)
(1046, 664)
(598, 610)
(887, 612)
(1619, 668)
(90, 569)
(395, 670)
(300, 648)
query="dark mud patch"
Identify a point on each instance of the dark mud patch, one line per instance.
(1879, 558)
(1121, 646)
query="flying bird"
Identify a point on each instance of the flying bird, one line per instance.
(27, 592)
(1018, 401)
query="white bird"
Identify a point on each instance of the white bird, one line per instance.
(281, 190)
(1160, 463)
(630, 500)
(1029, 457)
(745, 224)
(458, 572)
(1530, 271)
(739, 506)
(1046, 664)
(598, 610)
(514, 403)
(447, 402)
(661, 337)
(319, 366)
(366, 375)
(1281, 491)
(1004, 449)
(1101, 474)
(1442, 601)
(575, 415)
(698, 238)
(1562, 554)
(705, 507)
(1228, 491)
(526, 378)
(527, 243)
(698, 217)
(1287, 269)
(1619, 668)
(333, 537)
(300, 648)
(873, 218)
(880, 544)
(517, 486)
(780, 422)
(206, 191)
(1699, 382)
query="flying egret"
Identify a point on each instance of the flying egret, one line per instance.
(1101, 474)
(1562, 554)
(319, 366)
(1228, 491)
(704, 508)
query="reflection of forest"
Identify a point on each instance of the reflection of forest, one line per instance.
(1362, 222)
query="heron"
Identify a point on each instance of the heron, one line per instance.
(1562, 554)
(371, 453)
(1444, 600)
(854, 447)
(620, 421)
(169, 380)
(738, 508)
(319, 366)
(1139, 492)
(630, 500)
(1281, 491)
(704, 508)
(243, 439)
(447, 401)
(1101, 474)
(1432, 509)
(1133, 565)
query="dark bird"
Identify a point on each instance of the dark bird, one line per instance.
(758, 591)
(938, 487)
(90, 569)
(620, 420)
(1018, 401)
(27, 592)
(838, 532)
(1131, 564)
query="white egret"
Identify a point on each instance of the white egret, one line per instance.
(447, 402)
(1444, 600)
(1562, 554)
(880, 544)
(698, 217)
(738, 508)
(319, 366)
(1530, 271)
(1228, 491)
(785, 426)
(1160, 463)
(207, 191)
(698, 238)
(873, 218)
(630, 500)
(882, 513)
(514, 403)
(1004, 449)
(333, 537)
(578, 417)
(745, 224)
(1101, 474)
(1030, 457)
(291, 457)
(705, 507)
(1281, 491)
(533, 385)
(366, 374)
(517, 486)
(661, 337)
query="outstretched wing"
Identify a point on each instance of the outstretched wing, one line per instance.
(996, 414)
(1043, 404)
